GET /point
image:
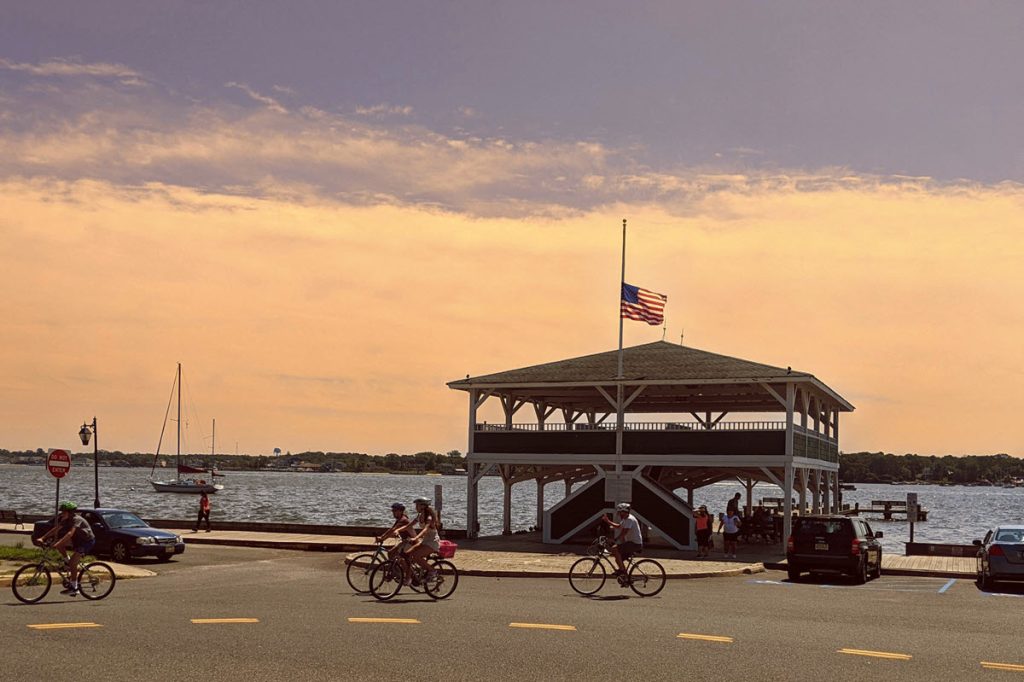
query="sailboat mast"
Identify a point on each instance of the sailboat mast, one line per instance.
(213, 440)
(178, 455)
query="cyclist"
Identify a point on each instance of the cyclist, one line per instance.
(74, 531)
(627, 536)
(425, 542)
(401, 528)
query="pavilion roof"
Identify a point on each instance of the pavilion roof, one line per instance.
(652, 363)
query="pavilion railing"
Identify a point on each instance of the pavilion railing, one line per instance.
(639, 426)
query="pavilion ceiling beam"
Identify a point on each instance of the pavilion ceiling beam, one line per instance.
(771, 391)
(484, 396)
(611, 401)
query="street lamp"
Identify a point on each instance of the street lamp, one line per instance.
(84, 433)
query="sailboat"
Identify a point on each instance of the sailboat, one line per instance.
(182, 484)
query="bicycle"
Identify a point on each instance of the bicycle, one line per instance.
(646, 577)
(32, 582)
(361, 566)
(388, 578)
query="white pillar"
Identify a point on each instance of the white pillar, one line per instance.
(540, 503)
(826, 499)
(816, 491)
(787, 503)
(506, 516)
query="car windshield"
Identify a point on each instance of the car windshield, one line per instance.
(124, 520)
(830, 527)
(1009, 536)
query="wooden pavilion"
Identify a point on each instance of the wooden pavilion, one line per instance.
(576, 435)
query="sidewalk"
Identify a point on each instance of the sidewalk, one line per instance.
(525, 556)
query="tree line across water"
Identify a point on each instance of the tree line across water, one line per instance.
(420, 462)
(881, 467)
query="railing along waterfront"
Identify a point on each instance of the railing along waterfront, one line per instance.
(639, 426)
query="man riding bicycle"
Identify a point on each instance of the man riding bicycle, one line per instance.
(401, 528)
(627, 536)
(74, 531)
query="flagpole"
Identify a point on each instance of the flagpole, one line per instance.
(619, 425)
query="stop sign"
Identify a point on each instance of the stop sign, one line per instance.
(58, 463)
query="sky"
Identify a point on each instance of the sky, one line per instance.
(326, 211)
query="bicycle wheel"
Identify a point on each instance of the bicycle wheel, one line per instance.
(358, 572)
(386, 579)
(646, 577)
(587, 575)
(444, 581)
(31, 583)
(96, 580)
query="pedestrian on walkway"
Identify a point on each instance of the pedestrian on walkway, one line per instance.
(204, 513)
(702, 524)
(730, 530)
(734, 504)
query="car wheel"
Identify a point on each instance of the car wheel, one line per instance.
(120, 552)
(794, 574)
(861, 576)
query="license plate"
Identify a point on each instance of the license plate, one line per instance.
(821, 546)
(168, 550)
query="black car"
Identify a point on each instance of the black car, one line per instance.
(834, 544)
(122, 535)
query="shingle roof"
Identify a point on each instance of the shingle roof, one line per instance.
(658, 361)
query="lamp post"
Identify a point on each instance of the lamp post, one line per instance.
(84, 433)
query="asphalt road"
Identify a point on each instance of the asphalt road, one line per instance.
(298, 609)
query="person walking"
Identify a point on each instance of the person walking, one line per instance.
(204, 513)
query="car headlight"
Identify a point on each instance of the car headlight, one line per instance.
(177, 539)
(145, 541)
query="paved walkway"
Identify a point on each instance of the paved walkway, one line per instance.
(524, 555)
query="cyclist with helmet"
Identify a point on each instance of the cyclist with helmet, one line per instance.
(74, 531)
(627, 536)
(426, 540)
(401, 528)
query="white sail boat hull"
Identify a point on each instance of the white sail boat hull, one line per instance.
(185, 487)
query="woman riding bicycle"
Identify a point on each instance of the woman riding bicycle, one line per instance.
(426, 541)
(74, 531)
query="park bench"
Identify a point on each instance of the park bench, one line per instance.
(11, 516)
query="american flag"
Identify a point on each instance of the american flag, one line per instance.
(643, 305)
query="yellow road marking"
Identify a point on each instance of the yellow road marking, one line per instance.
(1003, 666)
(706, 638)
(876, 654)
(542, 626)
(403, 621)
(60, 626)
(209, 621)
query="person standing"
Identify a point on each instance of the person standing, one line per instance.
(702, 524)
(730, 531)
(204, 512)
(734, 504)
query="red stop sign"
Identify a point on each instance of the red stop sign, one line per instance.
(58, 463)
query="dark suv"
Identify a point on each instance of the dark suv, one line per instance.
(834, 544)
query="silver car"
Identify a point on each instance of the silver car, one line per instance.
(1000, 555)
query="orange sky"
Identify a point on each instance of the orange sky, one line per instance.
(313, 323)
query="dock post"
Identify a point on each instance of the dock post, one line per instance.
(540, 503)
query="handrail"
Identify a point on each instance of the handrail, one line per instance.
(641, 426)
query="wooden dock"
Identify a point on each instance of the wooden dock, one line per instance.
(887, 509)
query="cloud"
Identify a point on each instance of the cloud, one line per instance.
(69, 68)
(270, 102)
(381, 110)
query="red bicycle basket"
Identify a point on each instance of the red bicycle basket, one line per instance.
(447, 549)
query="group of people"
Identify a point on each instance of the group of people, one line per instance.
(419, 537)
(731, 524)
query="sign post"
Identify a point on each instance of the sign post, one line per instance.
(58, 463)
(912, 512)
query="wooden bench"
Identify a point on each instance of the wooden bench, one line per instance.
(11, 516)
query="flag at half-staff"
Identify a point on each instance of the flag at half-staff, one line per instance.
(643, 305)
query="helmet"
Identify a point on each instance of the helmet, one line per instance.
(68, 506)
(421, 500)
(397, 506)
(622, 506)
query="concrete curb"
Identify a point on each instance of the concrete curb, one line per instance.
(900, 572)
(121, 572)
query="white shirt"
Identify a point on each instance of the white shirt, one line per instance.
(629, 530)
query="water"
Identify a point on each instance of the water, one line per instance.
(956, 514)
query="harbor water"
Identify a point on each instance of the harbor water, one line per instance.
(956, 514)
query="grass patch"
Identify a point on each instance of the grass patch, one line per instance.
(20, 553)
